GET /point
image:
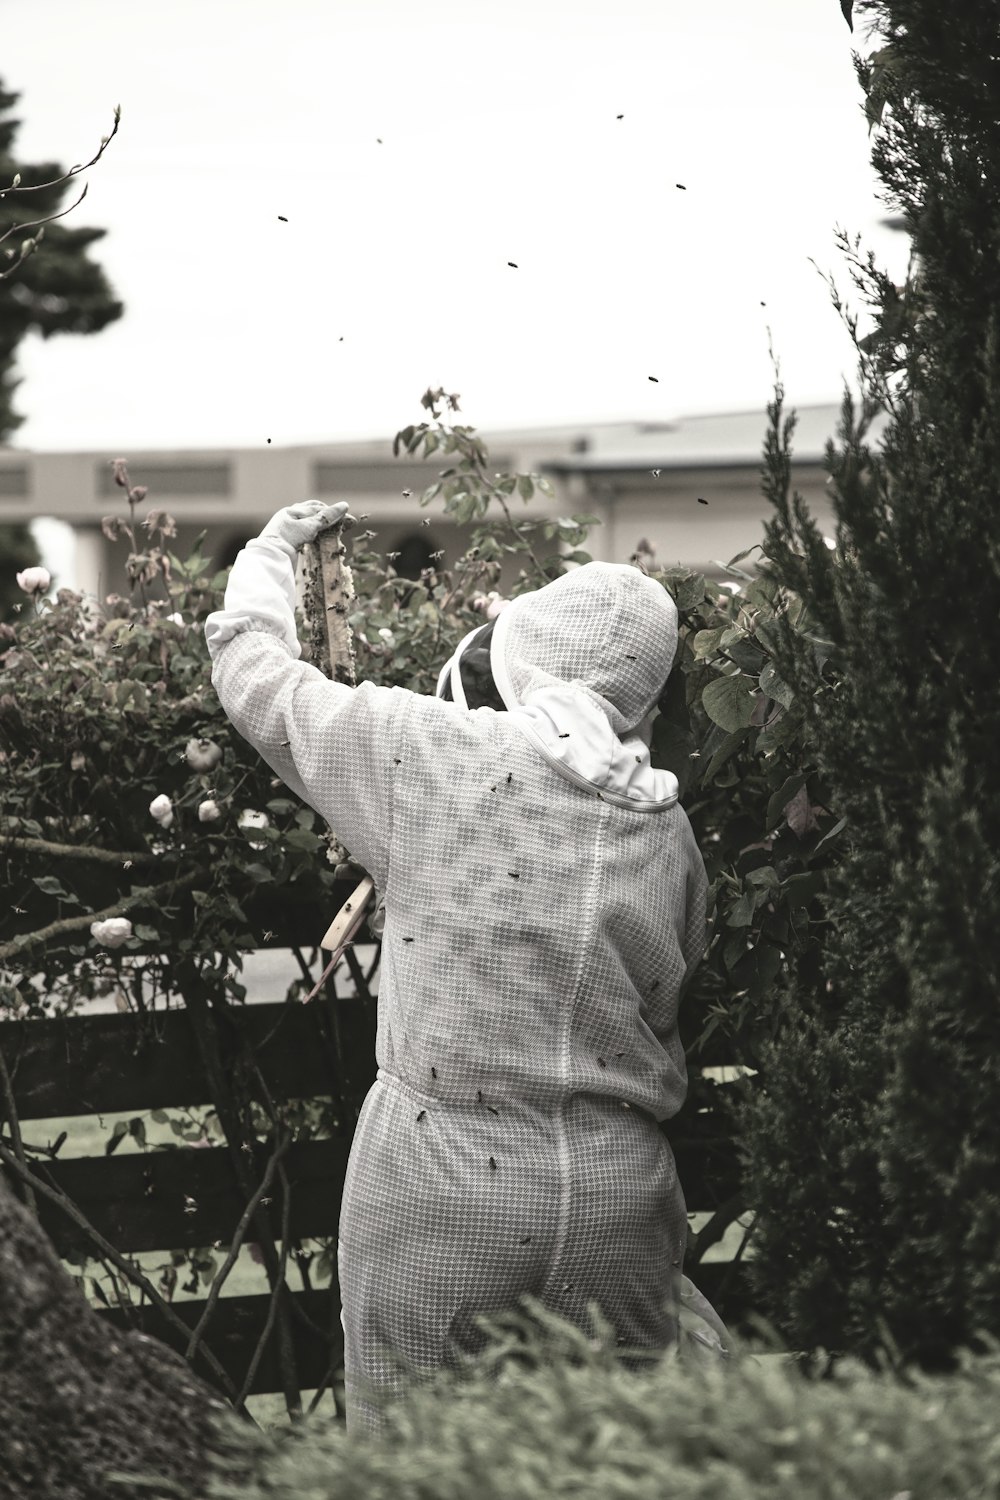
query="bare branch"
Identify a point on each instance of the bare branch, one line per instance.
(30, 245)
(33, 223)
(38, 187)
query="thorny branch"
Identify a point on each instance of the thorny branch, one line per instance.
(234, 1248)
(148, 896)
(84, 851)
(231, 1113)
(279, 1289)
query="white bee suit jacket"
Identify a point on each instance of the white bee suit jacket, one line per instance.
(544, 905)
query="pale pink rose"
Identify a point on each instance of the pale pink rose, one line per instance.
(495, 605)
(208, 811)
(112, 932)
(34, 580)
(251, 818)
(162, 809)
(202, 755)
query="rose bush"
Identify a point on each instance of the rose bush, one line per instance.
(108, 724)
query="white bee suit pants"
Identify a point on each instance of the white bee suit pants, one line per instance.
(450, 1211)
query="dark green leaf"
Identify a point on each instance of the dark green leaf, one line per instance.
(775, 686)
(832, 834)
(747, 656)
(741, 913)
(729, 701)
(721, 755)
(799, 890)
(302, 838)
(780, 799)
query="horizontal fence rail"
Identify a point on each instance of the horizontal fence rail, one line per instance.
(186, 1198)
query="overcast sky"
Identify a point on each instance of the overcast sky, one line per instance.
(415, 150)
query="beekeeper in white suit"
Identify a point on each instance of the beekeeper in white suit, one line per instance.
(544, 906)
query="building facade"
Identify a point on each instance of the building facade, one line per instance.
(690, 489)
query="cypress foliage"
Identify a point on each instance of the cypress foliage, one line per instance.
(873, 1143)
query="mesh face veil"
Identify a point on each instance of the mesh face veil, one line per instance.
(579, 665)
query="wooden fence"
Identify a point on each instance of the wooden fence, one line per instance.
(184, 1198)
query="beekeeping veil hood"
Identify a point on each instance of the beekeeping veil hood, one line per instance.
(579, 666)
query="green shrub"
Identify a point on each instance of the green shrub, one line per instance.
(873, 1148)
(756, 1428)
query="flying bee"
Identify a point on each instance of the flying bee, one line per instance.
(434, 1071)
(493, 1165)
(421, 1115)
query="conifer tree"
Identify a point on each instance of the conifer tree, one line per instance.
(873, 1142)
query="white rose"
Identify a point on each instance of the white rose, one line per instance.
(387, 636)
(112, 932)
(251, 818)
(175, 619)
(495, 605)
(162, 809)
(34, 580)
(208, 811)
(202, 755)
(78, 761)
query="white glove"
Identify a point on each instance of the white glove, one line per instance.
(297, 524)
